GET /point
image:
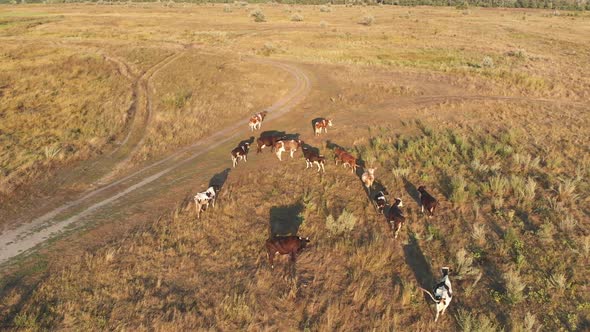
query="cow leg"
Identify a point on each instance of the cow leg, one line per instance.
(292, 151)
(245, 157)
(323, 169)
(234, 161)
(213, 202)
(293, 257)
(271, 256)
(422, 207)
(437, 312)
(279, 155)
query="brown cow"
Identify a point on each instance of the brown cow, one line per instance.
(395, 216)
(268, 140)
(427, 201)
(285, 245)
(287, 145)
(313, 157)
(322, 124)
(346, 159)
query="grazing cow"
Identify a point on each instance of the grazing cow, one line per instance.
(346, 159)
(443, 293)
(427, 201)
(395, 216)
(313, 157)
(203, 199)
(268, 140)
(322, 124)
(287, 145)
(239, 153)
(285, 245)
(256, 120)
(368, 178)
(381, 200)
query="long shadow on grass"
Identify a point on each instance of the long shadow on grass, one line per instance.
(412, 191)
(285, 220)
(416, 260)
(218, 180)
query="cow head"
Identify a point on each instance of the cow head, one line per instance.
(385, 192)
(398, 202)
(371, 171)
(329, 122)
(303, 243)
(422, 189)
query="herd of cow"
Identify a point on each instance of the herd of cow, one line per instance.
(292, 245)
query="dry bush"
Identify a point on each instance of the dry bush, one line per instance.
(227, 8)
(464, 265)
(367, 20)
(487, 62)
(258, 15)
(469, 322)
(323, 24)
(325, 9)
(297, 17)
(344, 224)
(479, 233)
(514, 286)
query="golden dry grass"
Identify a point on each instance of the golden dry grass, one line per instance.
(511, 175)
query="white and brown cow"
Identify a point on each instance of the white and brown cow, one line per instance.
(322, 124)
(256, 120)
(396, 217)
(290, 146)
(240, 153)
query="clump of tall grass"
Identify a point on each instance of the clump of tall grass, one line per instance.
(258, 15)
(325, 9)
(559, 282)
(487, 62)
(400, 172)
(344, 224)
(227, 8)
(367, 20)
(52, 152)
(464, 265)
(297, 17)
(566, 190)
(479, 233)
(469, 322)
(458, 193)
(514, 286)
(323, 24)
(568, 223)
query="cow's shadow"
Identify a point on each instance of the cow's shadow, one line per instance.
(285, 220)
(412, 191)
(417, 261)
(218, 180)
(311, 148)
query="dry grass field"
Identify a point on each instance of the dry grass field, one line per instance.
(486, 107)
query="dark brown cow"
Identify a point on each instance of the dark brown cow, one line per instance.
(395, 216)
(427, 201)
(285, 245)
(313, 157)
(346, 159)
(268, 140)
(322, 124)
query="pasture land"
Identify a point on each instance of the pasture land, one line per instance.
(486, 107)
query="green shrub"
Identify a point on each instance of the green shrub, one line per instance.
(344, 224)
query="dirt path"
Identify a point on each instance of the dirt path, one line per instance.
(26, 236)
